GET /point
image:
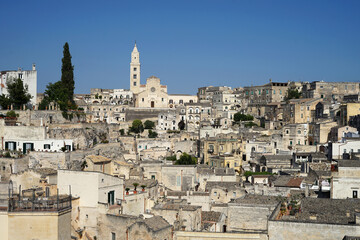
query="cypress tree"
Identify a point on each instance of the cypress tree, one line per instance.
(67, 74)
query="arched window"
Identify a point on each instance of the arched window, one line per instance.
(171, 101)
(190, 110)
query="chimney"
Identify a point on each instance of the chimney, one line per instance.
(33, 67)
(357, 216)
(307, 190)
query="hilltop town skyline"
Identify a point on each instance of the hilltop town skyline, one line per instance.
(235, 44)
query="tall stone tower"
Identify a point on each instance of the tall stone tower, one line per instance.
(135, 71)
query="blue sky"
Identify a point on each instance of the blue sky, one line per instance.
(187, 44)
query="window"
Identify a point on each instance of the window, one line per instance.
(181, 101)
(274, 91)
(162, 99)
(355, 194)
(134, 76)
(290, 143)
(215, 193)
(322, 96)
(153, 177)
(143, 99)
(111, 197)
(46, 146)
(135, 69)
(134, 83)
(113, 236)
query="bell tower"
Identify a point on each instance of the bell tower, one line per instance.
(135, 71)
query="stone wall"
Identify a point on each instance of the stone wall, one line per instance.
(143, 113)
(12, 165)
(245, 217)
(54, 160)
(284, 230)
(181, 235)
(116, 224)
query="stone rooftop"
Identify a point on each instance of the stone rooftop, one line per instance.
(257, 200)
(176, 207)
(149, 183)
(176, 193)
(288, 181)
(324, 210)
(156, 223)
(349, 163)
(224, 185)
(210, 216)
(98, 158)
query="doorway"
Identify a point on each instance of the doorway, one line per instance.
(152, 104)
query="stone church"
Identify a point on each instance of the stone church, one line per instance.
(149, 95)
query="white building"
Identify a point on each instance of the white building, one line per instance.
(30, 138)
(336, 150)
(168, 121)
(96, 192)
(346, 180)
(29, 78)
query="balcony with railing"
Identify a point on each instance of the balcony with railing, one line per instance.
(47, 204)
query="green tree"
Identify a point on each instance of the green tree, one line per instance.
(17, 94)
(242, 117)
(5, 101)
(152, 134)
(55, 92)
(67, 73)
(11, 114)
(137, 126)
(149, 124)
(62, 92)
(181, 125)
(292, 94)
(186, 159)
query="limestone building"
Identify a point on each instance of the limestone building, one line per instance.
(29, 78)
